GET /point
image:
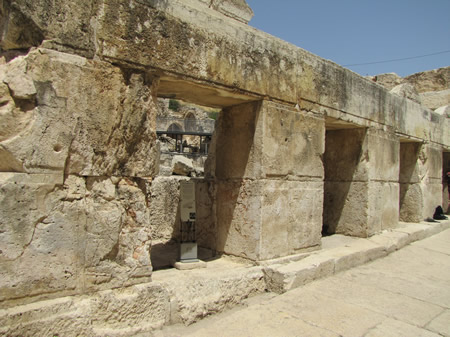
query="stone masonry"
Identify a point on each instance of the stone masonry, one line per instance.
(302, 147)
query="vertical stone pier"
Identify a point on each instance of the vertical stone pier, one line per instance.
(270, 180)
(361, 181)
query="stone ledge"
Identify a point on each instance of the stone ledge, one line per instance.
(187, 296)
(284, 277)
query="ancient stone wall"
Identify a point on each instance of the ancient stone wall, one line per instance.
(85, 215)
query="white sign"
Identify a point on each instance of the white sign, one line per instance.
(187, 196)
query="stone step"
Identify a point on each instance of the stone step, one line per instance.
(354, 252)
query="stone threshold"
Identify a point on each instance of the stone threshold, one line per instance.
(186, 296)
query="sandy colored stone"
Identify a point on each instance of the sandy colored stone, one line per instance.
(195, 294)
(408, 91)
(436, 99)
(393, 328)
(83, 215)
(182, 166)
(440, 324)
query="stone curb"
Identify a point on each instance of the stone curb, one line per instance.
(281, 278)
(192, 295)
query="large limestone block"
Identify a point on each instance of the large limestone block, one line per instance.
(444, 110)
(389, 80)
(130, 310)
(432, 197)
(409, 163)
(182, 165)
(63, 238)
(41, 237)
(411, 203)
(118, 234)
(120, 312)
(434, 100)
(239, 217)
(383, 206)
(291, 217)
(346, 156)
(266, 219)
(86, 117)
(430, 163)
(164, 208)
(407, 90)
(346, 208)
(293, 142)
(433, 80)
(26, 24)
(196, 295)
(384, 156)
(239, 142)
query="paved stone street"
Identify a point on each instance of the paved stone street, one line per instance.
(404, 294)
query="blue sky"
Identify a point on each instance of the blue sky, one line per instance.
(362, 31)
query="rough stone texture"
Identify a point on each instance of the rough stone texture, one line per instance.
(85, 234)
(67, 116)
(430, 88)
(83, 212)
(106, 129)
(123, 312)
(388, 81)
(444, 110)
(182, 166)
(436, 99)
(197, 294)
(235, 9)
(433, 80)
(277, 214)
(407, 90)
(361, 181)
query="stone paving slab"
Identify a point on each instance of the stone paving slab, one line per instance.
(406, 293)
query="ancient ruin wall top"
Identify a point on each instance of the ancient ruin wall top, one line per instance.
(235, 9)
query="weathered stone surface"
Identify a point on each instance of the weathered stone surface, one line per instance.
(383, 206)
(135, 309)
(41, 237)
(182, 166)
(291, 221)
(107, 128)
(27, 24)
(235, 9)
(407, 90)
(430, 88)
(239, 142)
(436, 99)
(433, 80)
(67, 238)
(122, 312)
(196, 294)
(293, 142)
(239, 218)
(78, 155)
(444, 111)
(18, 31)
(388, 81)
